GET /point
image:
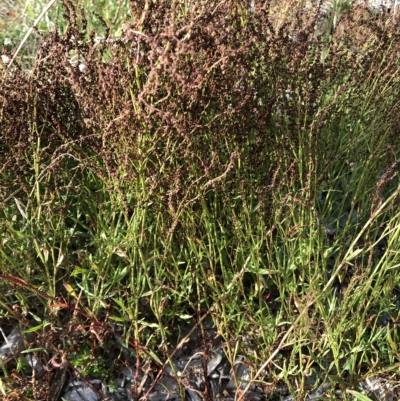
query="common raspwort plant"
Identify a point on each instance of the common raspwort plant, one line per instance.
(217, 159)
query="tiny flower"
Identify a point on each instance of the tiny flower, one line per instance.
(5, 59)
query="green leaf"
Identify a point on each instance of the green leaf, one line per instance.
(79, 271)
(359, 396)
(27, 351)
(152, 325)
(119, 319)
(185, 316)
(154, 356)
(120, 274)
(267, 271)
(36, 328)
(119, 303)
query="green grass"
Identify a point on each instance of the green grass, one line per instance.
(122, 237)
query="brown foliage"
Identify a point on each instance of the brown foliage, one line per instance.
(181, 98)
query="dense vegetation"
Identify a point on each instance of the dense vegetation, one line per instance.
(202, 160)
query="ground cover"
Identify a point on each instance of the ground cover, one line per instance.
(201, 167)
